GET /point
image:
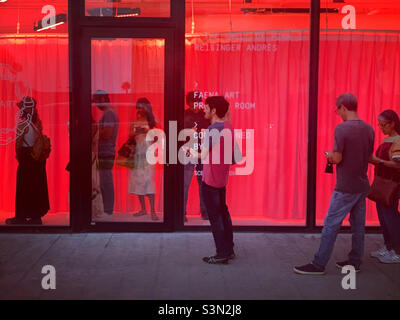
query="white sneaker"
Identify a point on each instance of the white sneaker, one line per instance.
(391, 257)
(379, 253)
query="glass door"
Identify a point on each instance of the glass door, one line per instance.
(127, 111)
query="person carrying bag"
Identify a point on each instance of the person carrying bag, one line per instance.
(32, 149)
(385, 189)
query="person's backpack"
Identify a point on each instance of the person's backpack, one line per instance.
(41, 148)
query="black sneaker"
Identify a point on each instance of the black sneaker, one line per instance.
(216, 260)
(308, 269)
(16, 221)
(232, 256)
(341, 264)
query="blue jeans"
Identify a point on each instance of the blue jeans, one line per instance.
(107, 183)
(389, 218)
(188, 174)
(341, 204)
(220, 219)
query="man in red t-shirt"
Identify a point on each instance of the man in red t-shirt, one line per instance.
(217, 155)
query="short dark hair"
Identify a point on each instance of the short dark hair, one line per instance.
(348, 100)
(101, 95)
(218, 103)
(190, 97)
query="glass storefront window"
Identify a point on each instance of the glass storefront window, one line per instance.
(127, 8)
(34, 101)
(359, 53)
(128, 102)
(255, 54)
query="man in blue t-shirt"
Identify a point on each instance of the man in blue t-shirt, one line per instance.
(108, 131)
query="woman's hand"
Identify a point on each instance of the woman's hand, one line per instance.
(375, 160)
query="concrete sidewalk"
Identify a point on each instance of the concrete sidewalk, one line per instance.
(169, 266)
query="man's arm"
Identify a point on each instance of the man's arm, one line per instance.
(334, 157)
(107, 128)
(105, 133)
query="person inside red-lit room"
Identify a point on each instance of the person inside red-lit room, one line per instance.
(194, 119)
(142, 175)
(32, 198)
(108, 130)
(97, 198)
(387, 165)
(218, 143)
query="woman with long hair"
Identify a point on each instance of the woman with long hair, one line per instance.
(389, 216)
(142, 175)
(32, 198)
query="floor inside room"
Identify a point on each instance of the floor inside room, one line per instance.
(62, 219)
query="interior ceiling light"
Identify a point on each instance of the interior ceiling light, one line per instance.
(128, 12)
(114, 12)
(60, 19)
(1, 1)
(285, 10)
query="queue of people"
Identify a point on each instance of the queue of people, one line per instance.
(352, 152)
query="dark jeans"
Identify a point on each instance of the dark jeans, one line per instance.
(220, 219)
(107, 183)
(389, 218)
(188, 174)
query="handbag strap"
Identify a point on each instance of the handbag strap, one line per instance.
(23, 138)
